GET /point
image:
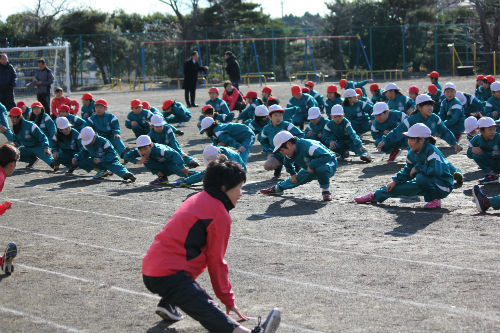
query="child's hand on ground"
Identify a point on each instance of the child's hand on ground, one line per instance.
(380, 145)
(477, 150)
(293, 179)
(332, 145)
(117, 136)
(235, 310)
(391, 186)
(310, 170)
(458, 148)
(242, 149)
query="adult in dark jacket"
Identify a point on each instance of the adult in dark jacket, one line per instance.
(233, 69)
(191, 69)
(7, 82)
(43, 80)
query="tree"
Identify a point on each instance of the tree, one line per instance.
(489, 20)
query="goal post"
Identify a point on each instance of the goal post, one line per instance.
(25, 62)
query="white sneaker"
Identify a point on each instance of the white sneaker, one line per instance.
(181, 124)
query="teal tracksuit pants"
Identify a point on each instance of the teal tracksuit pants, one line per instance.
(114, 166)
(431, 188)
(27, 154)
(117, 143)
(322, 174)
(487, 163)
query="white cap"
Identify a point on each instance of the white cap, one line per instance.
(275, 107)
(87, 135)
(418, 130)
(143, 140)
(391, 86)
(461, 97)
(210, 153)
(350, 93)
(280, 139)
(337, 110)
(485, 122)
(157, 120)
(380, 107)
(449, 85)
(495, 86)
(313, 113)
(261, 111)
(470, 124)
(62, 123)
(422, 99)
(206, 123)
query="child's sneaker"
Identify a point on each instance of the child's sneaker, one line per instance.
(395, 153)
(159, 180)
(271, 324)
(34, 160)
(459, 178)
(70, 171)
(481, 200)
(55, 166)
(273, 190)
(368, 198)
(179, 132)
(129, 176)
(489, 179)
(434, 204)
(181, 124)
(168, 311)
(277, 171)
(100, 174)
(345, 155)
(180, 183)
(327, 196)
(366, 158)
(194, 163)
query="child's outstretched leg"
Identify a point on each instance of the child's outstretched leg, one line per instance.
(363, 154)
(118, 169)
(483, 203)
(490, 166)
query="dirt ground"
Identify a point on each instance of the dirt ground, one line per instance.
(329, 267)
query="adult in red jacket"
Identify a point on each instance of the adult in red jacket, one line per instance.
(233, 97)
(9, 155)
(196, 238)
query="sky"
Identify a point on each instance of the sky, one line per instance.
(272, 7)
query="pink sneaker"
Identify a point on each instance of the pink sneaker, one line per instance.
(434, 204)
(369, 198)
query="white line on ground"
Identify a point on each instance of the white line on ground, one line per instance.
(40, 320)
(446, 308)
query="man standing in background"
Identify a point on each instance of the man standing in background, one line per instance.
(7, 82)
(43, 80)
(191, 69)
(233, 69)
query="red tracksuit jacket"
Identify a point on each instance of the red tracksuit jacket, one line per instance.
(233, 98)
(57, 102)
(194, 238)
(2, 181)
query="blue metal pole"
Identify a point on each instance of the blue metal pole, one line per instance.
(257, 61)
(366, 57)
(312, 60)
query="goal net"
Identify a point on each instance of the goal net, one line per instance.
(25, 62)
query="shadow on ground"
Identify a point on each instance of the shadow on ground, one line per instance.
(412, 220)
(300, 207)
(162, 327)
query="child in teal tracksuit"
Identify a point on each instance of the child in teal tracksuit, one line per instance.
(472, 105)
(344, 84)
(211, 153)
(252, 102)
(238, 136)
(209, 111)
(289, 112)
(437, 96)
(385, 121)
(426, 172)
(485, 92)
(29, 138)
(332, 98)
(340, 137)
(106, 125)
(160, 159)
(492, 105)
(66, 144)
(434, 78)
(98, 153)
(138, 120)
(377, 95)
(4, 124)
(43, 121)
(304, 102)
(484, 149)
(88, 106)
(357, 112)
(76, 122)
(162, 133)
(260, 120)
(305, 160)
(275, 160)
(217, 103)
(175, 112)
(452, 111)
(26, 109)
(317, 96)
(316, 124)
(397, 101)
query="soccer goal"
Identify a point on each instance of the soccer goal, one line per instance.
(25, 61)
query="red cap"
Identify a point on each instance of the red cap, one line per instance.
(306, 90)
(267, 90)
(168, 103)
(374, 87)
(145, 105)
(480, 78)
(40, 105)
(20, 104)
(102, 102)
(208, 107)
(331, 88)
(251, 94)
(63, 107)
(15, 112)
(489, 78)
(135, 103)
(432, 89)
(413, 90)
(296, 90)
(213, 90)
(359, 91)
(87, 96)
(343, 83)
(433, 74)
(310, 84)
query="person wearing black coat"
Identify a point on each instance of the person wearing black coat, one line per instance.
(191, 69)
(7, 82)
(233, 69)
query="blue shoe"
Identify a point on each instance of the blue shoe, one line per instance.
(100, 174)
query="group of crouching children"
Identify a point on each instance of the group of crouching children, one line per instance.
(396, 122)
